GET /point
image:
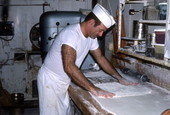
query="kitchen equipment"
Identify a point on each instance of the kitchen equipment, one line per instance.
(34, 36)
(163, 10)
(159, 51)
(52, 22)
(18, 98)
(159, 36)
(150, 12)
(140, 77)
(150, 50)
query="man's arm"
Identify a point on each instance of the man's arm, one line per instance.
(107, 66)
(69, 57)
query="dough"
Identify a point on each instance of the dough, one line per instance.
(134, 100)
(122, 90)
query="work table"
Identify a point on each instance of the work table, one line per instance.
(153, 102)
(85, 102)
(83, 99)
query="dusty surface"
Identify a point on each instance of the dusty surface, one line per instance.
(144, 99)
(125, 91)
(150, 101)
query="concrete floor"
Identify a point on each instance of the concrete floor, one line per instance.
(19, 111)
(26, 108)
(31, 109)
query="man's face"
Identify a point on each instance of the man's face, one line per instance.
(97, 31)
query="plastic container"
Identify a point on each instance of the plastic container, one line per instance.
(163, 10)
(159, 51)
(159, 36)
(150, 12)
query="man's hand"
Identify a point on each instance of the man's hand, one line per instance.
(125, 82)
(102, 93)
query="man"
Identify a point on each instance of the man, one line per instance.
(61, 65)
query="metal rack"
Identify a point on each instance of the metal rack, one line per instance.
(152, 21)
(167, 35)
(137, 2)
(165, 23)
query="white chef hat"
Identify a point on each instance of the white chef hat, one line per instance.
(103, 15)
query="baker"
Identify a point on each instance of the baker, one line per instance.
(61, 65)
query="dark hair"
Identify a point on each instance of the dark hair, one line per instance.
(90, 16)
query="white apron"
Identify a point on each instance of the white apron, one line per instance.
(53, 94)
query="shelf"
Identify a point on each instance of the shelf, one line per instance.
(136, 2)
(143, 57)
(148, 23)
(132, 39)
(153, 21)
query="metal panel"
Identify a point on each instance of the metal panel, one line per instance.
(52, 22)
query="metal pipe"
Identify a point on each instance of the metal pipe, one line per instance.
(119, 25)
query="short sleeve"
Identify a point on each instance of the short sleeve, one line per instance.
(94, 44)
(69, 38)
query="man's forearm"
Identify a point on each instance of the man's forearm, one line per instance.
(78, 77)
(108, 68)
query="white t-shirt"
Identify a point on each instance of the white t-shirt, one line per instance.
(73, 37)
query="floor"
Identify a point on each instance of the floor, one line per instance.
(31, 108)
(28, 108)
(19, 111)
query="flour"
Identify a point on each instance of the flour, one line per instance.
(143, 99)
(122, 90)
(133, 100)
(91, 107)
(95, 74)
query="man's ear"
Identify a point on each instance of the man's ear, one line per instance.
(92, 22)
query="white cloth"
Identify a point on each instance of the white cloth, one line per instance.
(53, 95)
(53, 82)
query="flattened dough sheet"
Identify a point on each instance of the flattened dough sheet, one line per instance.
(123, 91)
